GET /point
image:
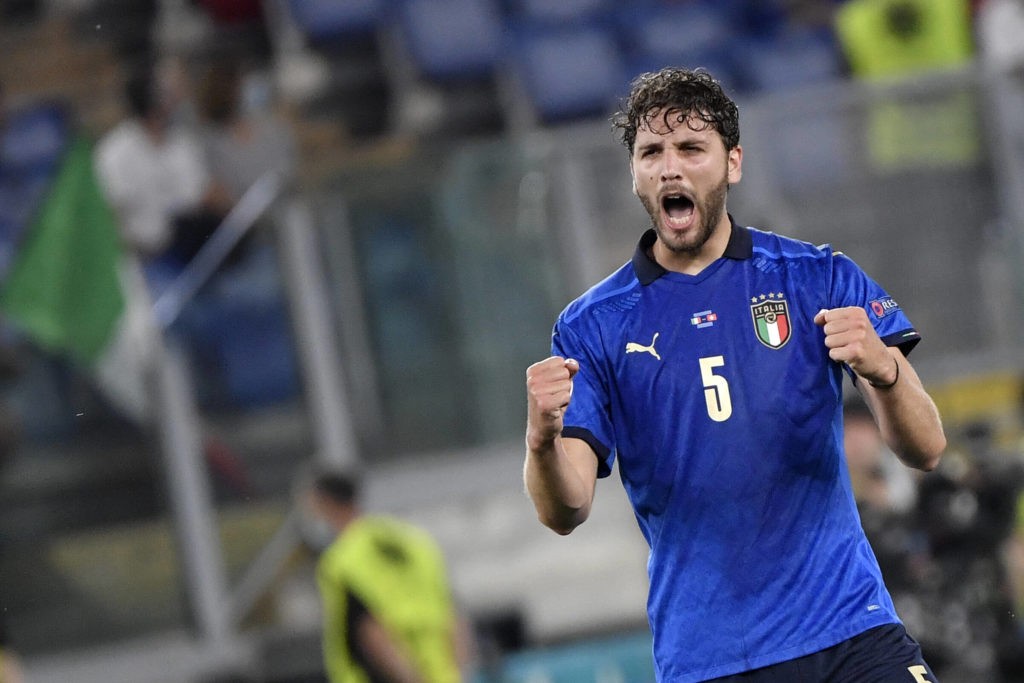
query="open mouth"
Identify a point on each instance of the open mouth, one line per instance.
(678, 208)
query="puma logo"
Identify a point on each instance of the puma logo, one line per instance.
(633, 347)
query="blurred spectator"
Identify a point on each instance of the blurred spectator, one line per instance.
(950, 545)
(241, 136)
(388, 611)
(156, 178)
(242, 140)
(1000, 30)
(886, 494)
(967, 507)
(897, 39)
(1012, 649)
(879, 479)
(886, 38)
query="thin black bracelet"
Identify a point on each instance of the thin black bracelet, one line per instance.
(891, 384)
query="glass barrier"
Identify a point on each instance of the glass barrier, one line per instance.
(465, 255)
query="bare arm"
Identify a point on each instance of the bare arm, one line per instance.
(464, 645)
(905, 413)
(560, 474)
(384, 655)
(907, 417)
(10, 668)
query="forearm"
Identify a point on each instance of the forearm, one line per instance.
(384, 656)
(907, 418)
(10, 670)
(464, 646)
(561, 494)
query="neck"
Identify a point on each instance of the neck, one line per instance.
(156, 129)
(692, 262)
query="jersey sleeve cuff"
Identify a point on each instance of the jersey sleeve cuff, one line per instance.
(906, 340)
(603, 452)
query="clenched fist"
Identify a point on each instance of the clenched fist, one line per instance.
(548, 392)
(851, 339)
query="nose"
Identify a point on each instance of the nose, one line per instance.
(671, 166)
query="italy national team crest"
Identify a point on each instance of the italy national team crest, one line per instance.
(771, 319)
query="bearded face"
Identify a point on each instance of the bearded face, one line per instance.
(681, 174)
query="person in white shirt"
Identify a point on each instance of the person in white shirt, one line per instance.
(154, 173)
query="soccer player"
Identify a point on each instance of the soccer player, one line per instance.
(710, 367)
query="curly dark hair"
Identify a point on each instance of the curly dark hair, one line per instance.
(675, 92)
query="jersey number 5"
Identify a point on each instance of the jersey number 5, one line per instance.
(716, 389)
(919, 673)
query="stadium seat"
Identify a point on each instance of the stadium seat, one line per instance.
(20, 196)
(34, 138)
(445, 63)
(240, 336)
(570, 73)
(695, 34)
(559, 11)
(452, 40)
(31, 149)
(793, 58)
(330, 59)
(763, 18)
(326, 20)
(257, 356)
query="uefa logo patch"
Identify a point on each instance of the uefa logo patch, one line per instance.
(883, 307)
(772, 323)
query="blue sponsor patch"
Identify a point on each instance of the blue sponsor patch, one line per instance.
(883, 307)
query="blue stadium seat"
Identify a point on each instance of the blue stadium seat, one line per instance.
(21, 195)
(792, 58)
(559, 11)
(257, 356)
(31, 149)
(452, 40)
(239, 334)
(326, 20)
(760, 18)
(570, 73)
(694, 34)
(34, 138)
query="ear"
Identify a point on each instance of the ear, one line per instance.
(735, 164)
(632, 177)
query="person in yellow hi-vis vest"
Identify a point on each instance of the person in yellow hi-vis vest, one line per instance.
(884, 38)
(889, 40)
(388, 609)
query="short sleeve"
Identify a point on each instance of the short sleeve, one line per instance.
(587, 417)
(851, 286)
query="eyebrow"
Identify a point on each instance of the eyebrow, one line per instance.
(655, 144)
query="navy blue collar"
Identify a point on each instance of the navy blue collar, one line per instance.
(740, 247)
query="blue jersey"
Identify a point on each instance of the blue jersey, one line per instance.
(716, 395)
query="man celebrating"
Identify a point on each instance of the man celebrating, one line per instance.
(710, 366)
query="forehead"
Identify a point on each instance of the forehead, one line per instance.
(675, 123)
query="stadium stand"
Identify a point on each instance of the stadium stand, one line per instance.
(569, 73)
(450, 51)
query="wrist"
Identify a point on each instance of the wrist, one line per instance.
(540, 442)
(890, 384)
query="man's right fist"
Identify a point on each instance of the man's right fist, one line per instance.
(548, 391)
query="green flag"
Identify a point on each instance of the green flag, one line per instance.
(63, 289)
